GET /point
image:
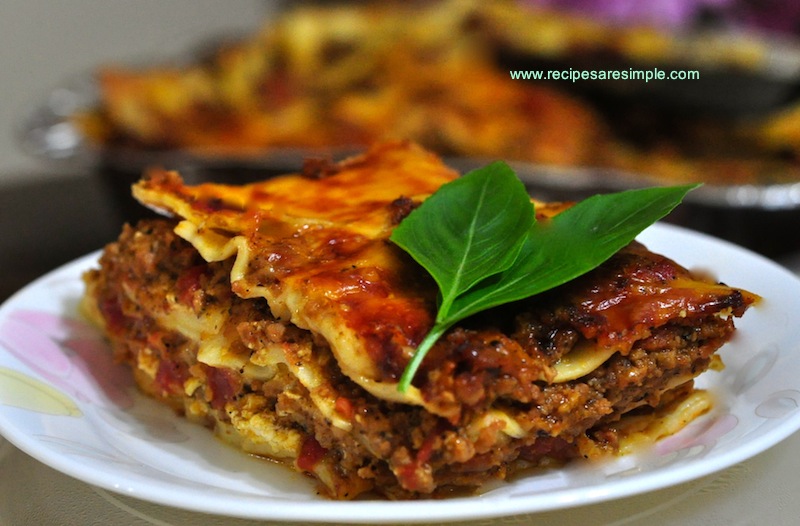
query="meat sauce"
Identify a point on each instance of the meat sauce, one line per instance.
(327, 308)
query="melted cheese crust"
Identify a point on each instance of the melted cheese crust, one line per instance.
(547, 377)
(316, 248)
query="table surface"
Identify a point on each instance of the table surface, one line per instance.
(55, 221)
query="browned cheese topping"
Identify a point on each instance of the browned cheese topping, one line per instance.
(280, 314)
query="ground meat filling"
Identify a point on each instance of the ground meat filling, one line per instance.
(503, 361)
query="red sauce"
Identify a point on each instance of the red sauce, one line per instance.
(344, 407)
(311, 453)
(223, 385)
(553, 447)
(113, 316)
(171, 376)
(188, 283)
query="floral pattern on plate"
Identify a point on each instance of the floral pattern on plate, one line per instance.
(107, 434)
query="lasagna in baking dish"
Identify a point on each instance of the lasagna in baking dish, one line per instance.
(280, 314)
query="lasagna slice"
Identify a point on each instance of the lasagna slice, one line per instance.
(280, 315)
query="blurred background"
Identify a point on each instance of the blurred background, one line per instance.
(44, 45)
(94, 91)
(53, 210)
(578, 95)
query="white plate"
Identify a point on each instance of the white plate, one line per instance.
(63, 402)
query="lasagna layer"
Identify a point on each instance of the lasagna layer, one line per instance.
(280, 315)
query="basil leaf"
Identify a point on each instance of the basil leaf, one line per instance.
(469, 229)
(479, 239)
(571, 244)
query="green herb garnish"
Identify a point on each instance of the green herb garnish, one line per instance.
(479, 239)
